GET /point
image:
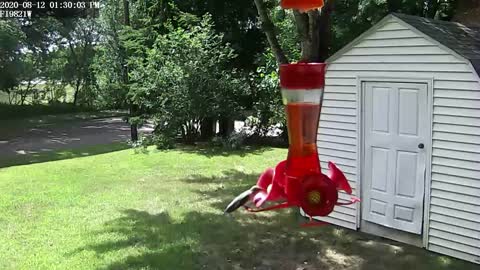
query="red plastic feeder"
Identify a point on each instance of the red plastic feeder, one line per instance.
(299, 181)
(302, 5)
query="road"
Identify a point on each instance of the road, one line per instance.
(23, 141)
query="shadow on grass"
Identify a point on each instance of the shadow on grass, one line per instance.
(210, 240)
(32, 158)
(219, 151)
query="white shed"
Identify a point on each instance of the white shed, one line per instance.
(401, 116)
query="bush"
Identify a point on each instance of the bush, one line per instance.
(235, 141)
(161, 142)
(217, 141)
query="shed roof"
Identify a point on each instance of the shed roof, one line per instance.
(464, 40)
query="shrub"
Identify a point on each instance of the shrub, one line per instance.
(161, 142)
(235, 141)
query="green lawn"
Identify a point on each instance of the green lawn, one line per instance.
(69, 92)
(163, 210)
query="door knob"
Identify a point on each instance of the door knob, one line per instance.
(421, 146)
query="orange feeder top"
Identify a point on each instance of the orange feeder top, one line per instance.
(302, 5)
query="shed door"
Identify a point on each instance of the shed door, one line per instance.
(395, 131)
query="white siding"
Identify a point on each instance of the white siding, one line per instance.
(396, 51)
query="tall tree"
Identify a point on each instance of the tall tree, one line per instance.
(81, 35)
(29, 74)
(11, 41)
(109, 61)
(237, 20)
(323, 31)
(313, 28)
(133, 108)
(468, 12)
(183, 79)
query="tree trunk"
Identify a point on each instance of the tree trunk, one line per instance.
(133, 130)
(23, 96)
(75, 95)
(10, 97)
(126, 12)
(324, 27)
(227, 126)
(207, 128)
(432, 9)
(269, 29)
(133, 108)
(314, 29)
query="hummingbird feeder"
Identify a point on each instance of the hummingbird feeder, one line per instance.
(301, 5)
(299, 180)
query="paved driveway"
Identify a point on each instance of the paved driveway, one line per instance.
(22, 141)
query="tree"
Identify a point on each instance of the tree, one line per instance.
(81, 36)
(29, 75)
(109, 60)
(321, 32)
(11, 42)
(56, 73)
(314, 36)
(183, 79)
(313, 29)
(468, 12)
(237, 20)
(133, 108)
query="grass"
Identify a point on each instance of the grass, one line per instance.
(163, 210)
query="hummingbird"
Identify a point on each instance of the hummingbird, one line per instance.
(242, 199)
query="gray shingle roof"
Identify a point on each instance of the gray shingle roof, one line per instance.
(462, 39)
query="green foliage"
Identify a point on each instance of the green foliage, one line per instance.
(161, 141)
(11, 41)
(41, 51)
(287, 35)
(268, 109)
(238, 20)
(108, 63)
(175, 62)
(184, 78)
(29, 73)
(81, 35)
(234, 141)
(353, 17)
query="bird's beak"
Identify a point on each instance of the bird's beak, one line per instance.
(241, 199)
